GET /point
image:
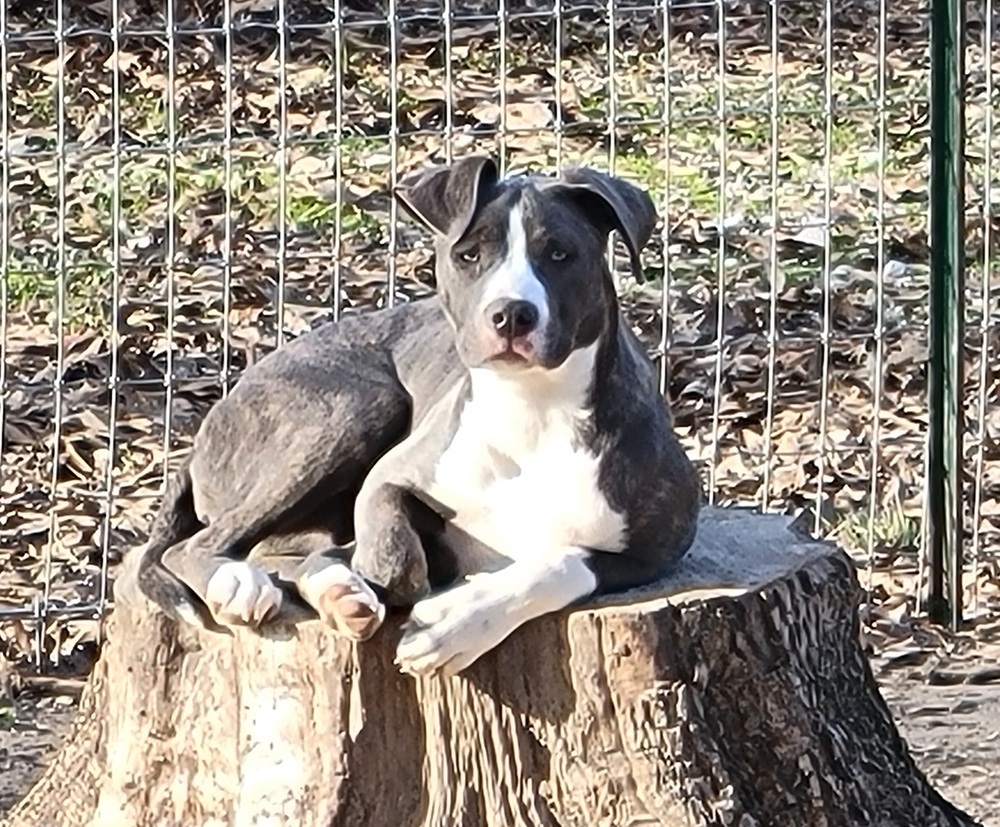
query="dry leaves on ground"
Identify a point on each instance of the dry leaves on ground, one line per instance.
(200, 214)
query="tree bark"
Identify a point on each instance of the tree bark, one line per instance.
(736, 693)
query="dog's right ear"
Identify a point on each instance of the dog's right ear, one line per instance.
(444, 198)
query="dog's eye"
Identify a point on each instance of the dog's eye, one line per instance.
(558, 254)
(470, 255)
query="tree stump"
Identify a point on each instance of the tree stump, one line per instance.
(736, 693)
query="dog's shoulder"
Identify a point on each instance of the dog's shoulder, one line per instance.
(645, 470)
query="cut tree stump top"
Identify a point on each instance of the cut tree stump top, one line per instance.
(734, 692)
(736, 551)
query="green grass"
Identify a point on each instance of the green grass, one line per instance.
(86, 293)
(140, 194)
(689, 172)
(889, 529)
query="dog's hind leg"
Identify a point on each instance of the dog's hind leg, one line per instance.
(341, 598)
(298, 466)
(215, 563)
(175, 521)
(310, 560)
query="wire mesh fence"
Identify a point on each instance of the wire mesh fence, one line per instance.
(186, 186)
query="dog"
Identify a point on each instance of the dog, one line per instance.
(484, 456)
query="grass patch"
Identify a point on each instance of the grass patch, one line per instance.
(889, 529)
(86, 293)
(679, 160)
(7, 718)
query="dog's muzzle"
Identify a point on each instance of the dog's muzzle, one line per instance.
(512, 323)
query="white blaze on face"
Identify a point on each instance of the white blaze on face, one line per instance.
(515, 279)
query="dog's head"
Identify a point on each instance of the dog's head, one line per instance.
(521, 269)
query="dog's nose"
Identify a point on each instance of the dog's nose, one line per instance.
(512, 318)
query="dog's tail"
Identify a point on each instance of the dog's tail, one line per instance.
(174, 522)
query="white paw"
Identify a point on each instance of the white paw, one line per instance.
(344, 601)
(450, 631)
(242, 593)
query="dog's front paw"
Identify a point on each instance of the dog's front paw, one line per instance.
(241, 593)
(344, 601)
(449, 632)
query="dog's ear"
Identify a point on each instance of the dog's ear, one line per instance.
(444, 198)
(626, 208)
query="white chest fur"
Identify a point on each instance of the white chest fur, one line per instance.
(515, 473)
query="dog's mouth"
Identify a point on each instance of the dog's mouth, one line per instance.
(513, 354)
(508, 357)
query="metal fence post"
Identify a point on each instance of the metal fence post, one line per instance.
(947, 208)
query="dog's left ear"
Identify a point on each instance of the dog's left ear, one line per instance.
(444, 197)
(627, 208)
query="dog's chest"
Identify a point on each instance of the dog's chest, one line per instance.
(520, 481)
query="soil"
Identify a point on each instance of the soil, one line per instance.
(28, 740)
(953, 732)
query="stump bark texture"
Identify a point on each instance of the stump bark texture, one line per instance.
(736, 693)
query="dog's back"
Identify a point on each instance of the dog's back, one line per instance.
(254, 432)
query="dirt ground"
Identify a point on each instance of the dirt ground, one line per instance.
(953, 732)
(28, 740)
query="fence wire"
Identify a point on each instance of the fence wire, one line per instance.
(187, 186)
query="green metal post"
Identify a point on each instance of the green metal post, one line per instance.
(947, 234)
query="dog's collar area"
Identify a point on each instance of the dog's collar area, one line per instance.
(567, 386)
